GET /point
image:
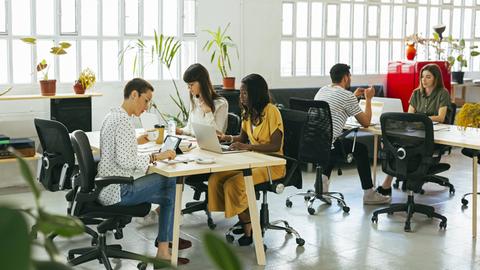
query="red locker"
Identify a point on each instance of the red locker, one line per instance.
(404, 76)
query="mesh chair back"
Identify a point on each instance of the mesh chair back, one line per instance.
(293, 122)
(57, 154)
(317, 134)
(451, 112)
(407, 145)
(85, 160)
(233, 124)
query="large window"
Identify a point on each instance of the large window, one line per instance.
(97, 30)
(366, 34)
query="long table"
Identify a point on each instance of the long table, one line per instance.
(244, 161)
(447, 135)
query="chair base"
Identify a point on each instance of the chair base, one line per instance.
(465, 201)
(410, 207)
(266, 224)
(311, 195)
(442, 181)
(192, 207)
(101, 252)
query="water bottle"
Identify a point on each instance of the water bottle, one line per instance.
(171, 130)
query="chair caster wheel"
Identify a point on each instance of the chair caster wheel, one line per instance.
(300, 241)
(311, 211)
(346, 209)
(211, 225)
(374, 219)
(306, 198)
(407, 227)
(94, 241)
(452, 191)
(229, 238)
(464, 202)
(443, 225)
(142, 266)
(288, 203)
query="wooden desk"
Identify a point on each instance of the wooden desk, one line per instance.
(223, 162)
(447, 135)
(460, 101)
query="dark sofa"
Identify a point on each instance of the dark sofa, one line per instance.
(281, 96)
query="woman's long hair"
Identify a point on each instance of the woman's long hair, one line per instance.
(258, 97)
(437, 74)
(198, 73)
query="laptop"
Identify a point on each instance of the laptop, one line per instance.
(377, 110)
(390, 104)
(207, 140)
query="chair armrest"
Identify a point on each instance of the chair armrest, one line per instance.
(102, 182)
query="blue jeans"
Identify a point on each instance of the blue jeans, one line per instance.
(157, 189)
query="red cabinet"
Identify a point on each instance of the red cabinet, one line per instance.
(404, 76)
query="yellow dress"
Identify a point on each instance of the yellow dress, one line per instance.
(226, 190)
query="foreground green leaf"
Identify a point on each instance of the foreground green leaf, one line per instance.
(26, 173)
(15, 242)
(221, 253)
(44, 265)
(66, 226)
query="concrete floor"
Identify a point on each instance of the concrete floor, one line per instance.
(334, 240)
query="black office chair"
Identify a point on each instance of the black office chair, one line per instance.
(316, 148)
(407, 154)
(293, 122)
(58, 170)
(439, 151)
(114, 218)
(469, 153)
(198, 182)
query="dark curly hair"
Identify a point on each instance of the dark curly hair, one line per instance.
(258, 97)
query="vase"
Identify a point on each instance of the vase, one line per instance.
(229, 83)
(78, 88)
(457, 76)
(410, 51)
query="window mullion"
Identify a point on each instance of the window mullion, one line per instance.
(8, 12)
(121, 38)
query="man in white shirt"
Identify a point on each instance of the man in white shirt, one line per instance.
(344, 104)
(119, 157)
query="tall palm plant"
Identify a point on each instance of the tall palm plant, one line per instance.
(222, 43)
(164, 50)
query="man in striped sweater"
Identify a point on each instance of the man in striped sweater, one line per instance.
(344, 104)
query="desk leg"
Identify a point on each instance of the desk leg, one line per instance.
(474, 196)
(375, 157)
(254, 217)
(176, 219)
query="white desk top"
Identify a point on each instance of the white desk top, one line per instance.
(447, 135)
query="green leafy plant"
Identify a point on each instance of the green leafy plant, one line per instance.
(219, 44)
(457, 48)
(42, 66)
(16, 244)
(164, 51)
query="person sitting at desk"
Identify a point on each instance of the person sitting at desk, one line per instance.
(344, 104)
(262, 126)
(430, 98)
(206, 106)
(119, 157)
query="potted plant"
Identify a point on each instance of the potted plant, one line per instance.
(456, 48)
(48, 87)
(469, 116)
(86, 79)
(219, 44)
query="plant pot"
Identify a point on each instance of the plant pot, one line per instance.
(78, 88)
(457, 76)
(229, 83)
(48, 87)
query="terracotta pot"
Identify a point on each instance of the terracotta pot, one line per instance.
(229, 83)
(410, 51)
(48, 87)
(78, 88)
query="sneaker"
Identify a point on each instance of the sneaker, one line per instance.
(384, 191)
(150, 219)
(373, 197)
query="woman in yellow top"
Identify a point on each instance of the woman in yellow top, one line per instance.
(262, 127)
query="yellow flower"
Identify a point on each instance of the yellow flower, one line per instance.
(87, 78)
(469, 115)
